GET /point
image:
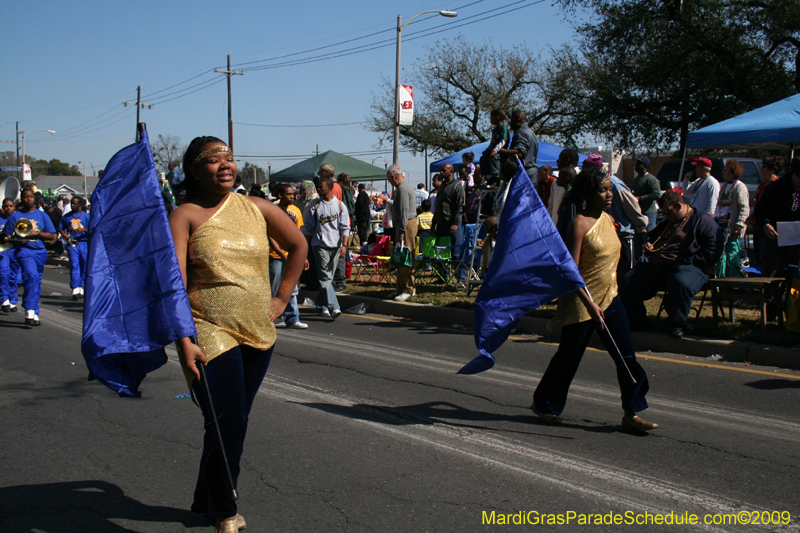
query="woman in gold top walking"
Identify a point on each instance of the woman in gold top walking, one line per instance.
(222, 242)
(593, 243)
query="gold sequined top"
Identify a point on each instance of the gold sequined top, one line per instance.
(227, 278)
(598, 266)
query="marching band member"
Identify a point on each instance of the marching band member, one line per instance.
(75, 229)
(221, 239)
(30, 256)
(9, 269)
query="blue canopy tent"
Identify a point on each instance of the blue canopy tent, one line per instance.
(547, 155)
(773, 127)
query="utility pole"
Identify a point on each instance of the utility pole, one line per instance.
(230, 73)
(139, 104)
(18, 144)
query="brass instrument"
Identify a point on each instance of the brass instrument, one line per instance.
(23, 227)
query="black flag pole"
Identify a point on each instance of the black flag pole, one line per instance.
(206, 392)
(615, 353)
(233, 495)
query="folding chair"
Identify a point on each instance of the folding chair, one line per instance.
(372, 265)
(423, 260)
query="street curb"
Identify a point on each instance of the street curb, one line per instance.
(734, 351)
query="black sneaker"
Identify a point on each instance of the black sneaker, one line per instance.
(547, 418)
(676, 333)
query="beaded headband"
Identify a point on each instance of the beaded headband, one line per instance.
(209, 152)
(605, 180)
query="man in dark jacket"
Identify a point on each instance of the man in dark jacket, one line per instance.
(779, 203)
(362, 213)
(681, 254)
(524, 144)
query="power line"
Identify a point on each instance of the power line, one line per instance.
(159, 99)
(299, 125)
(347, 41)
(209, 84)
(78, 109)
(479, 17)
(207, 71)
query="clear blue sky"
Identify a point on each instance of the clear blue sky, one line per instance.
(70, 65)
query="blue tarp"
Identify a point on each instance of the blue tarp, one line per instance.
(548, 154)
(772, 127)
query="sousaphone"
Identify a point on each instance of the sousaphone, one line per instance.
(11, 189)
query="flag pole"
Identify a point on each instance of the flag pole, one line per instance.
(233, 495)
(616, 354)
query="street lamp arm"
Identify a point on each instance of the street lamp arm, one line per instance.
(401, 28)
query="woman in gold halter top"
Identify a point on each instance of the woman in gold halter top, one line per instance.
(592, 240)
(222, 242)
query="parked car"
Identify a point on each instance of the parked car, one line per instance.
(669, 179)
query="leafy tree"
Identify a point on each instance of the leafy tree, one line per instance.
(250, 173)
(455, 88)
(649, 71)
(54, 167)
(167, 148)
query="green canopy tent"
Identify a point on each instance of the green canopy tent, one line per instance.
(306, 170)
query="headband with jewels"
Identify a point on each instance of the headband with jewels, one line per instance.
(209, 152)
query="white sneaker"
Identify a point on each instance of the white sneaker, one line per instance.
(297, 325)
(336, 314)
(324, 312)
(81, 288)
(30, 314)
(281, 325)
(403, 297)
(76, 293)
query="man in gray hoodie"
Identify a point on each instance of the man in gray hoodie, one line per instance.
(326, 228)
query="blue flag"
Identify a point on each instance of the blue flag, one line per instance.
(530, 267)
(136, 302)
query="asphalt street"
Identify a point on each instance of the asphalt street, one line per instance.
(362, 425)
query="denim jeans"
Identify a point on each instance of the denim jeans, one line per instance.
(326, 260)
(681, 282)
(233, 379)
(551, 394)
(292, 313)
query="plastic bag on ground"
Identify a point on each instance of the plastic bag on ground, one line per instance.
(360, 309)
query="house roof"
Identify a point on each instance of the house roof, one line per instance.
(71, 184)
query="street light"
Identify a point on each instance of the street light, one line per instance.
(396, 150)
(24, 133)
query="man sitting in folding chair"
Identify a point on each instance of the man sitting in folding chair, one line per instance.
(681, 254)
(404, 216)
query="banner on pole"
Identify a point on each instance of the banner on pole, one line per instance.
(26, 172)
(406, 105)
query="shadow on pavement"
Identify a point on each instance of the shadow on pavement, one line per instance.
(81, 506)
(774, 384)
(446, 413)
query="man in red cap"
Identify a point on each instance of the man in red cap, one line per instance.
(703, 193)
